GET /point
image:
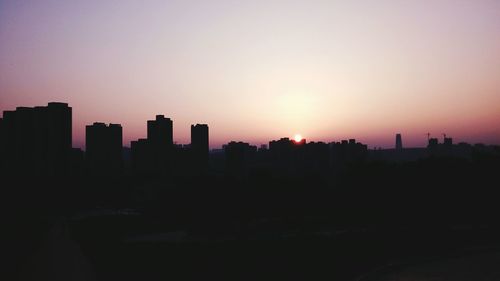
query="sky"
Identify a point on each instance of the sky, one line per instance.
(256, 70)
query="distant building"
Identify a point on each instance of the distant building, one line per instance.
(141, 156)
(448, 142)
(345, 152)
(161, 144)
(104, 145)
(37, 141)
(160, 131)
(2, 147)
(286, 155)
(281, 151)
(240, 157)
(59, 136)
(199, 145)
(399, 142)
(155, 153)
(433, 142)
(316, 157)
(433, 146)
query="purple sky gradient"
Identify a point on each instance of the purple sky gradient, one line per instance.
(260, 70)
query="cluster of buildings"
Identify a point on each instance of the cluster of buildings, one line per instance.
(155, 154)
(38, 141)
(158, 154)
(435, 148)
(287, 157)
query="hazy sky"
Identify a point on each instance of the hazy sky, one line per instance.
(260, 70)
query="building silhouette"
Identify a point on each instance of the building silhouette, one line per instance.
(155, 153)
(346, 152)
(448, 142)
(160, 131)
(104, 145)
(398, 153)
(160, 140)
(316, 157)
(59, 136)
(240, 158)
(399, 142)
(37, 141)
(141, 156)
(281, 153)
(433, 143)
(199, 146)
(2, 146)
(288, 156)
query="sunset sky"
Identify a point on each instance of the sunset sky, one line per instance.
(260, 70)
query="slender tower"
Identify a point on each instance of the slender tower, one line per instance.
(399, 142)
(199, 145)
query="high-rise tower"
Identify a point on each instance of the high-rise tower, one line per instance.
(399, 142)
(199, 144)
(104, 148)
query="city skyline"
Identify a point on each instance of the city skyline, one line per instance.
(262, 70)
(160, 133)
(250, 140)
(37, 141)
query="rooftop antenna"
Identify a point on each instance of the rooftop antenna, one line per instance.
(428, 136)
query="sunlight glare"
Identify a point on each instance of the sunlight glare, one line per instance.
(297, 138)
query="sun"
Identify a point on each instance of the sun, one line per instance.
(297, 138)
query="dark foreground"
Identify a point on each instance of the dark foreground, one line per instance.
(128, 247)
(434, 219)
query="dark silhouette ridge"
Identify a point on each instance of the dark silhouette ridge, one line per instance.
(308, 210)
